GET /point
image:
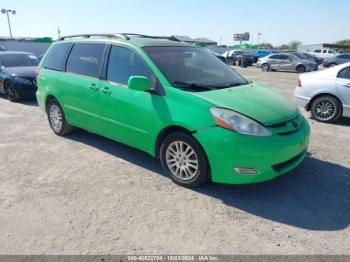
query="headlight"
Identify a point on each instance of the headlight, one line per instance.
(23, 81)
(239, 123)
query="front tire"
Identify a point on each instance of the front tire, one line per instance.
(326, 109)
(184, 160)
(57, 119)
(11, 93)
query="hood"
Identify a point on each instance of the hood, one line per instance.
(259, 102)
(21, 71)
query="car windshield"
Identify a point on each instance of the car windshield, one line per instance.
(14, 60)
(240, 53)
(194, 69)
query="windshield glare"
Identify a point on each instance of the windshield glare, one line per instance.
(14, 60)
(193, 69)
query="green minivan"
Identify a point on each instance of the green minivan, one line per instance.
(176, 102)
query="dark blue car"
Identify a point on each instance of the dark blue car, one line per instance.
(17, 75)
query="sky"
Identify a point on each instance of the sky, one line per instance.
(279, 21)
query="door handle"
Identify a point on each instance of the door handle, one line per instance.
(94, 88)
(106, 91)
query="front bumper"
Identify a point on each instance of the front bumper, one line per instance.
(270, 156)
(25, 91)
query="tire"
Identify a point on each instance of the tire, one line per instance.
(265, 67)
(332, 64)
(11, 93)
(57, 119)
(301, 69)
(184, 160)
(326, 109)
(237, 62)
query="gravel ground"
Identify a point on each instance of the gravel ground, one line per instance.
(85, 194)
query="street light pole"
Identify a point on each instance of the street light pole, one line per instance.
(7, 11)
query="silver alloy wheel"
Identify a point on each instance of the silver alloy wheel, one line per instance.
(182, 160)
(265, 67)
(56, 118)
(325, 110)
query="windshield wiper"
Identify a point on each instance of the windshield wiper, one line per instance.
(181, 84)
(230, 84)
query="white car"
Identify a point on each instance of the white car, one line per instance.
(324, 53)
(325, 93)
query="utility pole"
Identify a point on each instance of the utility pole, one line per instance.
(259, 34)
(7, 11)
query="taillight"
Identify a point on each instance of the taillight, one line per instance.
(37, 71)
(299, 83)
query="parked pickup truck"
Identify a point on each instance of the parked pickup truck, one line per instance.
(324, 53)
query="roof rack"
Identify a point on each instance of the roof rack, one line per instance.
(131, 35)
(90, 35)
(125, 36)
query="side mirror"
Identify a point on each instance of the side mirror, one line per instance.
(139, 83)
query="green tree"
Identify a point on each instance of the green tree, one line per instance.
(293, 45)
(265, 45)
(343, 42)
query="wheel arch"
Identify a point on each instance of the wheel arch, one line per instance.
(49, 98)
(165, 132)
(308, 107)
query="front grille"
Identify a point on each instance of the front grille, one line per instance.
(280, 166)
(286, 127)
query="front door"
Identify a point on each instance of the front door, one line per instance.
(127, 115)
(286, 63)
(80, 85)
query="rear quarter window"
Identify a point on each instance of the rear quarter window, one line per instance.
(56, 56)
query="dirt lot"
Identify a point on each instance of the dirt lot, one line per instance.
(85, 194)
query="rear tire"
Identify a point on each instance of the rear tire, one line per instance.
(265, 67)
(11, 93)
(57, 119)
(184, 160)
(326, 109)
(301, 69)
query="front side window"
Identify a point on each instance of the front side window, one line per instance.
(85, 59)
(15, 60)
(193, 69)
(124, 63)
(275, 57)
(344, 73)
(317, 51)
(56, 56)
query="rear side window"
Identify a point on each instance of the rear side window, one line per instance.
(275, 57)
(56, 56)
(86, 59)
(344, 73)
(124, 63)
